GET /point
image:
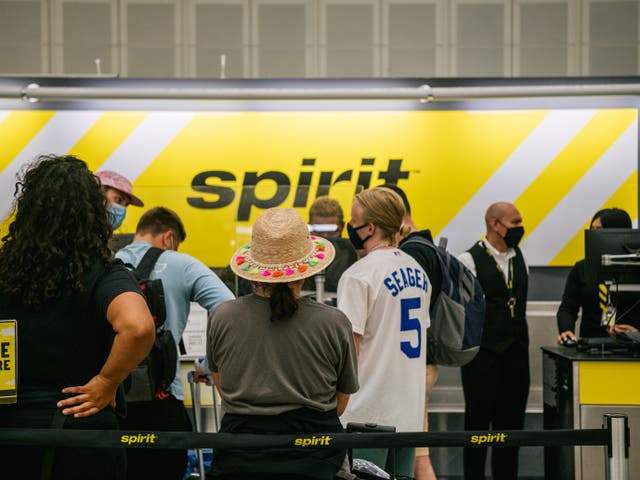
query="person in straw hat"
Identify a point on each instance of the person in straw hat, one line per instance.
(282, 363)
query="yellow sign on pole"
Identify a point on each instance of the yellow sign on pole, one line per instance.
(8, 361)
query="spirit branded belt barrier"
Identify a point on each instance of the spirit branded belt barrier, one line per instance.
(182, 440)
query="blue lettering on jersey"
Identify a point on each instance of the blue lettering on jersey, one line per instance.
(390, 286)
(406, 277)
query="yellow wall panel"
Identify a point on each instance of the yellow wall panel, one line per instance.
(613, 383)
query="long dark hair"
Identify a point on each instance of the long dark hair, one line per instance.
(59, 232)
(282, 301)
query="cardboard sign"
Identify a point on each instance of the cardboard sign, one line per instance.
(8, 361)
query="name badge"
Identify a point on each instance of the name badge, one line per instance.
(8, 361)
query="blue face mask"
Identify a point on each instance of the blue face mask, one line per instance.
(116, 214)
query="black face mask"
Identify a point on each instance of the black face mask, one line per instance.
(356, 241)
(513, 236)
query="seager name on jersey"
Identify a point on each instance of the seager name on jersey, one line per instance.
(406, 277)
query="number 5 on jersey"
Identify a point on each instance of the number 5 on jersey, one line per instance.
(409, 323)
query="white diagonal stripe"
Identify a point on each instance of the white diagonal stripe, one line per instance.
(146, 142)
(58, 136)
(524, 165)
(584, 199)
(3, 114)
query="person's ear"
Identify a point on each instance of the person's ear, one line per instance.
(167, 238)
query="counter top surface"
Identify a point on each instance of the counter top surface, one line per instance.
(592, 355)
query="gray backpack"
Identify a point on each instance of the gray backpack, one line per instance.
(457, 316)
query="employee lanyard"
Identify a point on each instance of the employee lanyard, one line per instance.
(511, 303)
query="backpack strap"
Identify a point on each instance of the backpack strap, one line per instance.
(144, 269)
(149, 260)
(444, 259)
(417, 239)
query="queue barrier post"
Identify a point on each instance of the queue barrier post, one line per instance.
(617, 452)
(320, 281)
(197, 416)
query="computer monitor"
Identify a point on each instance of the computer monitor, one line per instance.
(611, 241)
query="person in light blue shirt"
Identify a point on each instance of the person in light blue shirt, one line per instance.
(185, 279)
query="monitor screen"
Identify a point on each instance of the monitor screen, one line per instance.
(611, 241)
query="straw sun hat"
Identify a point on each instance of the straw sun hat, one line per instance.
(281, 249)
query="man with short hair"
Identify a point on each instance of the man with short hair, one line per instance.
(496, 381)
(185, 280)
(327, 212)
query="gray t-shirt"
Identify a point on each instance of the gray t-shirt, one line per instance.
(268, 368)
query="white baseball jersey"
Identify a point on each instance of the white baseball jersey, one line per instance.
(386, 297)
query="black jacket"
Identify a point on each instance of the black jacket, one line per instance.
(578, 294)
(428, 260)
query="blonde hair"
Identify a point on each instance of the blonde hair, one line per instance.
(385, 209)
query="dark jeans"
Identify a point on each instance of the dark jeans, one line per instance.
(157, 463)
(68, 463)
(282, 463)
(496, 387)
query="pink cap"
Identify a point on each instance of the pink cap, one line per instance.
(117, 181)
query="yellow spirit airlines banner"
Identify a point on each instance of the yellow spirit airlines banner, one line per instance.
(219, 170)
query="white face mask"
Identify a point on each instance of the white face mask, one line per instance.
(116, 214)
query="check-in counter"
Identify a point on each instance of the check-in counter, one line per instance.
(578, 388)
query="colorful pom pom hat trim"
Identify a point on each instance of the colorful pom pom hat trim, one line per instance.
(281, 249)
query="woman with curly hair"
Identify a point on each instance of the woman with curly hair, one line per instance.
(82, 322)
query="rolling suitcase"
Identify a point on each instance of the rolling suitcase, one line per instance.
(198, 420)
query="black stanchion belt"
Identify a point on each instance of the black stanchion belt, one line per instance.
(186, 440)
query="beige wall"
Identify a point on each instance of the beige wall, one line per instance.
(320, 38)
